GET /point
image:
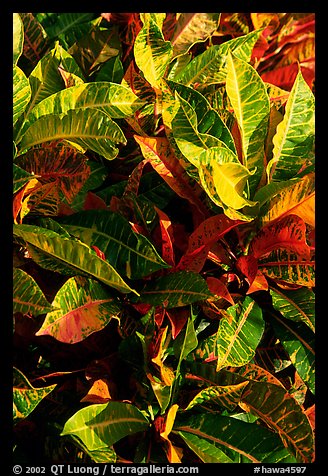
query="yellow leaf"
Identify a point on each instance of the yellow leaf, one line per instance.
(173, 453)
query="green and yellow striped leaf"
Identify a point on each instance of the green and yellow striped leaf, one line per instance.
(250, 101)
(294, 138)
(217, 434)
(151, 52)
(132, 254)
(18, 38)
(21, 93)
(28, 298)
(62, 254)
(95, 131)
(100, 426)
(82, 306)
(297, 305)
(211, 65)
(26, 397)
(239, 334)
(226, 396)
(298, 341)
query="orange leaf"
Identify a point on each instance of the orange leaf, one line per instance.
(167, 237)
(173, 453)
(98, 393)
(217, 287)
(288, 233)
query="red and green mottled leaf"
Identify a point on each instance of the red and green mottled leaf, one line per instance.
(279, 410)
(83, 306)
(226, 396)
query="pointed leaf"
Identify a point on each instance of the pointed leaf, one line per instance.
(35, 38)
(239, 334)
(226, 396)
(26, 397)
(298, 305)
(175, 290)
(18, 38)
(211, 65)
(251, 105)
(95, 131)
(298, 198)
(202, 239)
(28, 298)
(70, 254)
(279, 410)
(20, 178)
(152, 53)
(101, 425)
(83, 307)
(21, 93)
(130, 253)
(193, 28)
(289, 233)
(294, 138)
(298, 341)
(224, 433)
(285, 266)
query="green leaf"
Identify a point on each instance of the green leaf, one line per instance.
(294, 138)
(207, 451)
(26, 397)
(100, 426)
(297, 305)
(130, 253)
(21, 93)
(151, 52)
(18, 38)
(208, 120)
(280, 411)
(193, 28)
(20, 178)
(186, 133)
(226, 396)
(226, 434)
(28, 298)
(83, 306)
(175, 290)
(239, 334)
(250, 101)
(211, 65)
(298, 341)
(95, 131)
(69, 254)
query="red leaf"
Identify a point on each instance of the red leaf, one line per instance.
(99, 252)
(259, 284)
(92, 201)
(178, 318)
(289, 233)
(217, 287)
(247, 265)
(167, 237)
(285, 76)
(202, 239)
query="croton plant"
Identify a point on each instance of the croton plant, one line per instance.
(163, 237)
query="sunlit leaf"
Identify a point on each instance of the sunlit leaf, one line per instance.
(294, 138)
(18, 37)
(83, 307)
(101, 425)
(21, 93)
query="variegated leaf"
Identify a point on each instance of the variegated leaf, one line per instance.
(28, 298)
(226, 396)
(83, 306)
